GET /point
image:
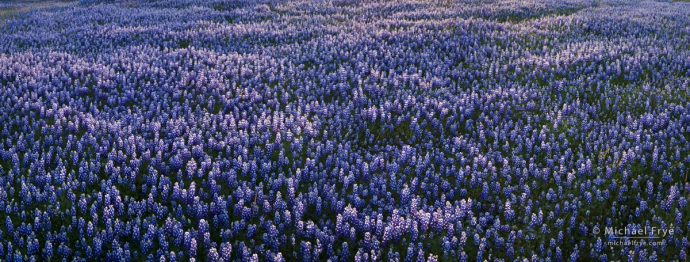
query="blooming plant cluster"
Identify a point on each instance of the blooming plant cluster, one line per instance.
(238, 130)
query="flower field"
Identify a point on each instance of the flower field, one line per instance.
(344, 130)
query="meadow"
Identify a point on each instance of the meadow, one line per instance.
(345, 130)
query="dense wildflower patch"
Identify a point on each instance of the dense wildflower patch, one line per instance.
(345, 130)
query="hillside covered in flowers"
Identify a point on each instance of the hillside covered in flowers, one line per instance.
(343, 130)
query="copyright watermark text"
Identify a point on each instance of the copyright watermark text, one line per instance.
(634, 236)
